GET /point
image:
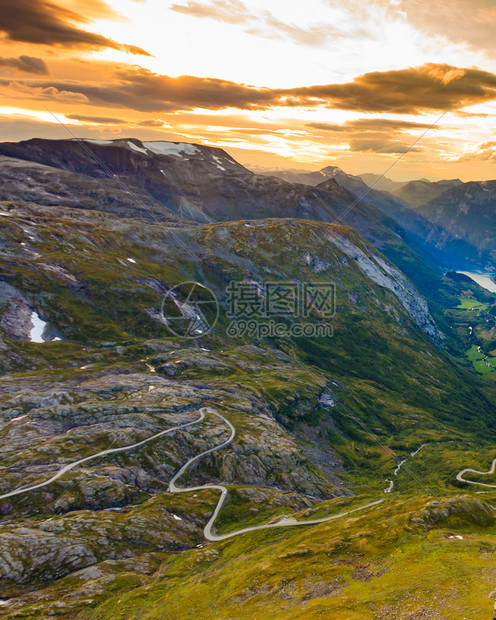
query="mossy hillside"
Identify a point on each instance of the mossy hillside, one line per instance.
(400, 558)
(105, 302)
(118, 304)
(246, 400)
(291, 392)
(375, 345)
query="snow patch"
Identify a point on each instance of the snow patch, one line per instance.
(102, 142)
(5, 214)
(136, 148)
(131, 260)
(219, 162)
(176, 517)
(36, 333)
(171, 148)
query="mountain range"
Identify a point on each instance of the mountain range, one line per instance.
(96, 240)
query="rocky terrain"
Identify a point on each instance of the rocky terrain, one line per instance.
(91, 250)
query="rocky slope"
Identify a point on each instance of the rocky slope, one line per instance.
(381, 182)
(445, 221)
(463, 221)
(178, 181)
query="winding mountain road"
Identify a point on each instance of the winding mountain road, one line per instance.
(70, 466)
(400, 464)
(284, 522)
(460, 477)
(173, 488)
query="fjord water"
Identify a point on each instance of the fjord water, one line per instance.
(483, 280)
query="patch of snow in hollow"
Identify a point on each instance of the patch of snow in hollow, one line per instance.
(5, 214)
(101, 142)
(131, 260)
(36, 333)
(4, 602)
(171, 148)
(56, 339)
(28, 233)
(176, 517)
(219, 162)
(22, 243)
(136, 148)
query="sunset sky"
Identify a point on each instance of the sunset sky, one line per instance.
(277, 83)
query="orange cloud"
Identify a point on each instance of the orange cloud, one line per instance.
(403, 91)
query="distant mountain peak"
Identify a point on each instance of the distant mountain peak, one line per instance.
(330, 170)
(420, 191)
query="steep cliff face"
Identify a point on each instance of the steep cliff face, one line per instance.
(383, 273)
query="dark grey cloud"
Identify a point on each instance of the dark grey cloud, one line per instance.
(43, 22)
(371, 125)
(151, 123)
(380, 145)
(28, 64)
(99, 120)
(109, 120)
(374, 135)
